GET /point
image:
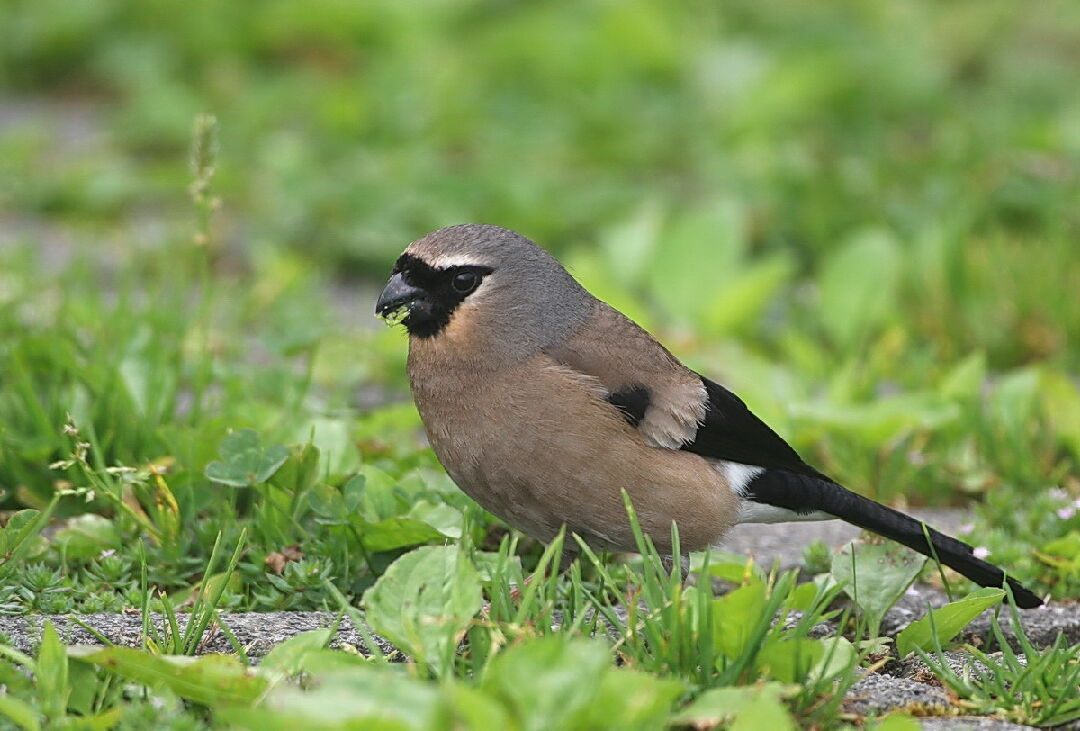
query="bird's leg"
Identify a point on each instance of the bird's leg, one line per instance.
(569, 553)
(668, 562)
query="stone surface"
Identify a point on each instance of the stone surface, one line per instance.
(256, 633)
(875, 694)
(967, 723)
(1041, 626)
(912, 668)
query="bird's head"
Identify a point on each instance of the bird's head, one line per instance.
(483, 279)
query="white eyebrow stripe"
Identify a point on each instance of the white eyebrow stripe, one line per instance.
(446, 262)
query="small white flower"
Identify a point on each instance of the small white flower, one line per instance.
(1067, 512)
(980, 552)
(967, 528)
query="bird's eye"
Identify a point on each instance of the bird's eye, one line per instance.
(465, 282)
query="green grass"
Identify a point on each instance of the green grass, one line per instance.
(1036, 686)
(860, 216)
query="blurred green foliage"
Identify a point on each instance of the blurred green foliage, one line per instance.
(860, 215)
(350, 127)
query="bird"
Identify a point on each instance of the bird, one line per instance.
(544, 404)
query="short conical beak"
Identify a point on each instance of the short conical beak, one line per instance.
(395, 295)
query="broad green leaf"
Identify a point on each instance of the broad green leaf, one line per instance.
(966, 379)
(1014, 398)
(86, 536)
(589, 268)
(325, 661)
(764, 712)
(300, 471)
(699, 252)
(881, 420)
(360, 698)
(734, 571)
(734, 615)
(425, 602)
(84, 688)
(948, 621)
(789, 660)
(741, 301)
(289, 657)
(145, 378)
(630, 699)
(463, 707)
(802, 596)
(380, 499)
(334, 440)
(21, 536)
(859, 285)
(805, 659)
(442, 517)
(837, 657)
(629, 245)
(19, 525)
(352, 492)
(308, 718)
(1061, 404)
(369, 502)
(1062, 553)
(103, 721)
(882, 573)
(897, 723)
(211, 679)
(1068, 546)
(244, 462)
(719, 705)
(549, 682)
(387, 535)
(19, 712)
(51, 671)
(326, 501)
(714, 707)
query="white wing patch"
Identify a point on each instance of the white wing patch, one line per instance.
(739, 477)
(674, 414)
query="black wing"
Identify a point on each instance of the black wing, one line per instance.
(633, 402)
(731, 432)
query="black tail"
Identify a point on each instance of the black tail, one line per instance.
(806, 493)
